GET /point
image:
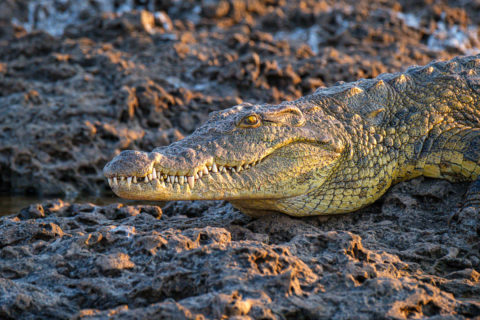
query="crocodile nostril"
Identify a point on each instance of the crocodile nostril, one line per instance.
(129, 163)
(133, 153)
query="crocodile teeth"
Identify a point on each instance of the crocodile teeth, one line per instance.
(191, 181)
(165, 178)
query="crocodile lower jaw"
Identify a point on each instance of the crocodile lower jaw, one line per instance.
(159, 179)
(206, 187)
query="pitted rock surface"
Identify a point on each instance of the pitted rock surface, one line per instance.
(396, 259)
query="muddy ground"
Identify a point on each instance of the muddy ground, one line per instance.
(73, 98)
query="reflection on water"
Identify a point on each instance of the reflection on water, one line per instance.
(12, 204)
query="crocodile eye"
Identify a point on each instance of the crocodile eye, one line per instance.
(250, 121)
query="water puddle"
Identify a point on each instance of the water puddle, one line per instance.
(13, 204)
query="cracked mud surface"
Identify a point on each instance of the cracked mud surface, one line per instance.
(137, 81)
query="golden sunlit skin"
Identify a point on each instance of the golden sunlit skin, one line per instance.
(334, 151)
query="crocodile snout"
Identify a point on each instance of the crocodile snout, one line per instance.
(129, 163)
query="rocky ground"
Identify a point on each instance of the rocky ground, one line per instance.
(99, 83)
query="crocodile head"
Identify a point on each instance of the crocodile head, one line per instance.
(247, 154)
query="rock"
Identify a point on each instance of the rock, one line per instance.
(32, 212)
(114, 262)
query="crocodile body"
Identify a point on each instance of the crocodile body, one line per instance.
(334, 151)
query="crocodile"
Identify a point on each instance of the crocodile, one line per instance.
(334, 151)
